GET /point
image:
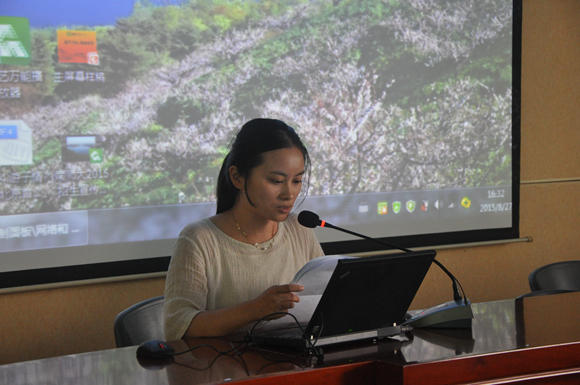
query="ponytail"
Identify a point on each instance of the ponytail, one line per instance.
(226, 192)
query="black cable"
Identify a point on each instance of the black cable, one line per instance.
(250, 338)
(310, 349)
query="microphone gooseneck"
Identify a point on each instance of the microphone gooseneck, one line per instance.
(309, 219)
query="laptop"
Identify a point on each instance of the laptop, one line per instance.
(365, 298)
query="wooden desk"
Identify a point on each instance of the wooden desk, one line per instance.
(535, 340)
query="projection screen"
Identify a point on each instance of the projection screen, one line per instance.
(115, 117)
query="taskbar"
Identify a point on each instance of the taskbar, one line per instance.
(404, 213)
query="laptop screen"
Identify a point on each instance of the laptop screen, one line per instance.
(369, 293)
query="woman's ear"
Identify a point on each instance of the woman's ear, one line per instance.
(236, 178)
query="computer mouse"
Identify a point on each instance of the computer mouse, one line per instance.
(155, 349)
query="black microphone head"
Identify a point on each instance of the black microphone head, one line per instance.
(308, 219)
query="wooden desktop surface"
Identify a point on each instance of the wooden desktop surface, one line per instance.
(534, 340)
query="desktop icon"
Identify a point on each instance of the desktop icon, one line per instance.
(396, 207)
(410, 206)
(82, 148)
(96, 155)
(465, 202)
(77, 47)
(15, 143)
(382, 208)
(15, 48)
(363, 208)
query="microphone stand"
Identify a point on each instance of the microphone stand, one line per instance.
(452, 314)
(456, 295)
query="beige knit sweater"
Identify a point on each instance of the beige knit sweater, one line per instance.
(210, 270)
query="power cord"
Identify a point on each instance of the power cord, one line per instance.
(311, 349)
(249, 340)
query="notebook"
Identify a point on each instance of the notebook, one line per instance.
(365, 298)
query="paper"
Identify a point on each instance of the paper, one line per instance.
(314, 276)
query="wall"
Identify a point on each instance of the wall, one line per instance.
(70, 320)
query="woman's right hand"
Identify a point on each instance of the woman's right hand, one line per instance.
(219, 322)
(277, 299)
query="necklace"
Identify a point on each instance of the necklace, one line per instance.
(255, 244)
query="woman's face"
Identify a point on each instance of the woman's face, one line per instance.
(274, 185)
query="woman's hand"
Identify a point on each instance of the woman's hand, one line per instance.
(277, 299)
(219, 322)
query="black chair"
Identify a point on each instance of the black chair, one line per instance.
(140, 322)
(556, 276)
(540, 293)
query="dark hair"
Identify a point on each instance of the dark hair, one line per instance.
(247, 152)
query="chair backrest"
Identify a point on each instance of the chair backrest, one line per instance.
(540, 293)
(140, 322)
(556, 276)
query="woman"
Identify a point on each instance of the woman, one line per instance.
(233, 269)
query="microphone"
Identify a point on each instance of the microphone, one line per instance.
(309, 219)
